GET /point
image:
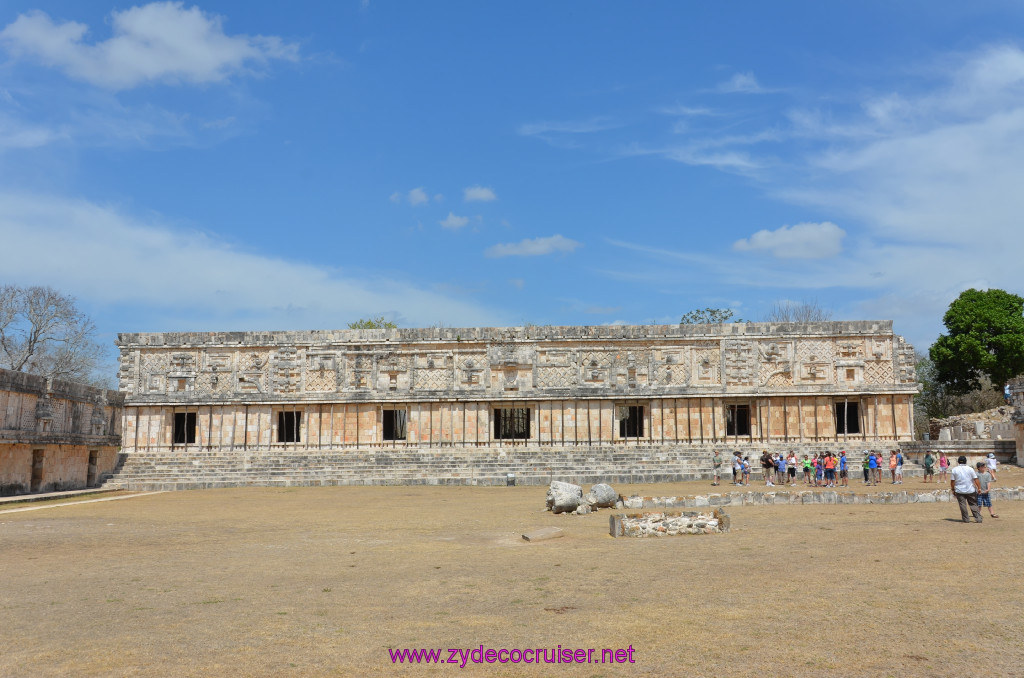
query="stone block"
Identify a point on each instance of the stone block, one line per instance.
(544, 534)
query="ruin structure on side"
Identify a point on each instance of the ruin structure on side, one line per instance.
(55, 435)
(761, 384)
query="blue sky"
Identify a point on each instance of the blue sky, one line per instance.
(239, 165)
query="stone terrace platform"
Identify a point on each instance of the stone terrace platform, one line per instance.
(202, 469)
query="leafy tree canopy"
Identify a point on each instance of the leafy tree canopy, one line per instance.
(374, 323)
(985, 339)
(709, 316)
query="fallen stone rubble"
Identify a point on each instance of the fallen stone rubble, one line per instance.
(568, 498)
(668, 524)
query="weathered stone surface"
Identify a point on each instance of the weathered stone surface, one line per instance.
(633, 502)
(665, 524)
(602, 495)
(564, 497)
(543, 534)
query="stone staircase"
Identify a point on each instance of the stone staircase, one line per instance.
(531, 465)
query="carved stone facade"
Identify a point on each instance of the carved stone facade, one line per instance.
(752, 382)
(56, 435)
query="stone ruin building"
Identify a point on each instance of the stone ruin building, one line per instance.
(56, 435)
(616, 403)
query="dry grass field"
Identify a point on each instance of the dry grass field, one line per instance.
(322, 581)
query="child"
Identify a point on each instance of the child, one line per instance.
(985, 480)
(991, 464)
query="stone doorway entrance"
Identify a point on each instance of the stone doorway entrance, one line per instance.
(90, 478)
(37, 471)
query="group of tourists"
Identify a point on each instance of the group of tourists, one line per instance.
(819, 470)
(970, 486)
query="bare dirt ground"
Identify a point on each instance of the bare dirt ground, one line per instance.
(322, 581)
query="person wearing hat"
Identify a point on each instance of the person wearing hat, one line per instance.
(992, 464)
(965, 487)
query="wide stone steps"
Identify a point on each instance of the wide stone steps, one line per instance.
(199, 468)
(472, 467)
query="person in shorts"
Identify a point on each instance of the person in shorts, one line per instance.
(985, 480)
(808, 467)
(767, 468)
(746, 470)
(844, 472)
(899, 468)
(791, 463)
(716, 467)
(830, 470)
(991, 464)
(929, 467)
(943, 466)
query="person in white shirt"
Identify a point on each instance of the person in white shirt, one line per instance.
(964, 484)
(992, 464)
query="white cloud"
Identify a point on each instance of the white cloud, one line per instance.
(454, 222)
(532, 247)
(741, 83)
(17, 134)
(415, 197)
(159, 42)
(107, 258)
(478, 194)
(800, 241)
(684, 111)
(598, 124)
(418, 196)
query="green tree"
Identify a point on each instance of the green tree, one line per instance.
(708, 316)
(985, 339)
(374, 323)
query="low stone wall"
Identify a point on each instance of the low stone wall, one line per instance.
(974, 450)
(668, 523)
(827, 497)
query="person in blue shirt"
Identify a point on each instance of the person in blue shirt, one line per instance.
(899, 468)
(873, 467)
(844, 476)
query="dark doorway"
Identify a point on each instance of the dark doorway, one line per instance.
(184, 428)
(737, 420)
(37, 470)
(394, 424)
(847, 417)
(90, 476)
(632, 426)
(512, 423)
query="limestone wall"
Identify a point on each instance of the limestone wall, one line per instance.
(529, 363)
(49, 430)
